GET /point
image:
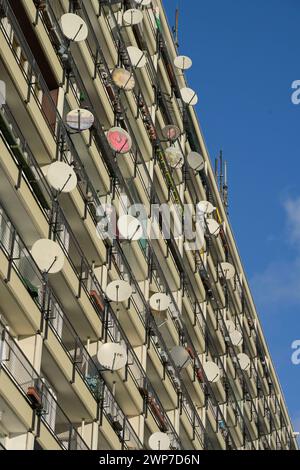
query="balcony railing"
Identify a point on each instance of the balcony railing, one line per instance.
(54, 316)
(75, 263)
(31, 385)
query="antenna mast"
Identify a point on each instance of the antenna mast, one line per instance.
(176, 27)
(223, 182)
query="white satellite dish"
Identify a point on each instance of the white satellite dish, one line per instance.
(112, 356)
(159, 441)
(230, 326)
(244, 361)
(183, 62)
(226, 270)
(189, 96)
(180, 356)
(212, 371)
(213, 227)
(2, 92)
(118, 291)
(80, 119)
(130, 228)
(174, 157)
(196, 161)
(236, 338)
(137, 57)
(119, 140)
(171, 132)
(74, 27)
(143, 3)
(206, 207)
(132, 17)
(123, 79)
(159, 302)
(48, 255)
(61, 177)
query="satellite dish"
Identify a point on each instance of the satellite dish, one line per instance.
(143, 3)
(159, 302)
(227, 270)
(180, 356)
(174, 157)
(183, 62)
(230, 326)
(212, 371)
(2, 92)
(130, 228)
(196, 161)
(80, 119)
(48, 255)
(112, 356)
(132, 17)
(244, 361)
(137, 57)
(206, 207)
(119, 140)
(189, 96)
(171, 132)
(123, 79)
(119, 291)
(213, 227)
(74, 27)
(61, 177)
(236, 338)
(159, 441)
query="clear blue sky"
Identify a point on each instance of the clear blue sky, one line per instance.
(245, 58)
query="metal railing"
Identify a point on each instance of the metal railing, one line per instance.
(33, 388)
(54, 316)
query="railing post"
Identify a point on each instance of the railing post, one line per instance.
(2, 342)
(11, 257)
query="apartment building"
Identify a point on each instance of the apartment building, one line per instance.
(130, 341)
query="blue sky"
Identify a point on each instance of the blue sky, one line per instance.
(245, 58)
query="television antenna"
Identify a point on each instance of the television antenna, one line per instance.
(171, 132)
(80, 119)
(118, 291)
(130, 228)
(74, 27)
(137, 57)
(180, 356)
(159, 302)
(119, 140)
(183, 62)
(132, 17)
(48, 256)
(226, 270)
(195, 161)
(212, 371)
(159, 441)
(61, 177)
(189, 96)
(112, 356)
(123, 79)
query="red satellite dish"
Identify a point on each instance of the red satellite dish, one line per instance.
(119, 140)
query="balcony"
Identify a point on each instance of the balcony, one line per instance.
(21, 375)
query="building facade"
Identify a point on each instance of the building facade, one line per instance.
(126, 319)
